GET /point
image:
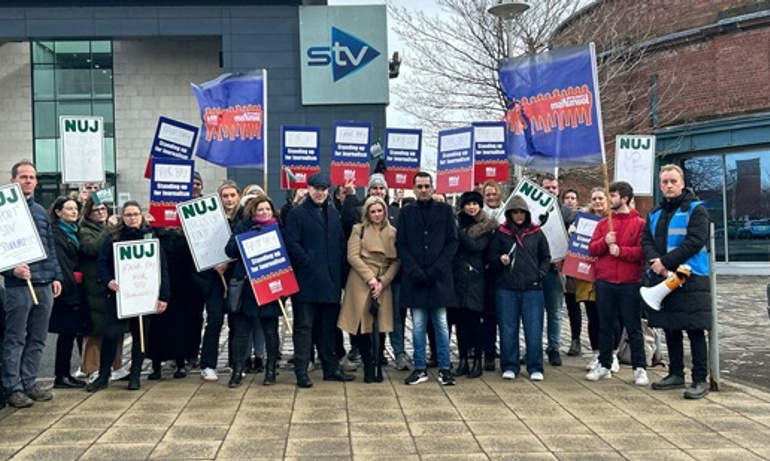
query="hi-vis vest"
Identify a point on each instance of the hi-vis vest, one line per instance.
(677, 230)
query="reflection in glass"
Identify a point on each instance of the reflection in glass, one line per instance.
(747, 191)
(705, 176)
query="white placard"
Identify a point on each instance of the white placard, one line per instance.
(494, 134)
(352, 135)
(455, 142)
(82, 149)
(635, 162)
(403, 141)
(541, 203)
(300, 139)
(137, 272)
(206, 230)
(19, 240)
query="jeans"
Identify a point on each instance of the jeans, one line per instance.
(304, 315)
(215, 317)
(397, 335)
(553, 291)
(698, 350)
(620, 303)
(26, 329)
(525, 306)
(420, 320)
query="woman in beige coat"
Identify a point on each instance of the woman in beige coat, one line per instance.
(372, 258)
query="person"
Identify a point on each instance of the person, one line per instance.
(494, 209)
(351, 214)
(68, 316)
(585, 292)
(570, 198)
(86, 189)
(259, 213)
(2, 337)
(373, 267)
(26, 323)
(676, 233)
(316, 247)
(132, 226)
(519, 251)
(552, 284)
(93, 230)
(170, 337)
(196, 303)
(474, 230)
(197, 184)
(618, 249)
(426, 241)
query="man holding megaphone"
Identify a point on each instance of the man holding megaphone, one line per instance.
(676, 234)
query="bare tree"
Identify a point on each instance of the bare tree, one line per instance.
(452, 76)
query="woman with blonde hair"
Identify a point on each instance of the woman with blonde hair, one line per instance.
(373, 265)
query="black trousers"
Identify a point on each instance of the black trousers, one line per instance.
(215, 317)
(698, 350)
(113, 331)
(470, 334)
(489, 323)
(64, 346)
(619, 303)
(575, 316)
(366, 346)
(243, 325)
(304, 316)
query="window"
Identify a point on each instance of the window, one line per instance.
(70, 78)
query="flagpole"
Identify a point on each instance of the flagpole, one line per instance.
(264, 127)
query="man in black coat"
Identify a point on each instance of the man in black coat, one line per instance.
(676, 233)
(317, 247)
(426, 241)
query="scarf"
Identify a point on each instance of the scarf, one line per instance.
(71, 231)
(264, 222)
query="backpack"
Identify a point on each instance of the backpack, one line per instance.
(652, 341)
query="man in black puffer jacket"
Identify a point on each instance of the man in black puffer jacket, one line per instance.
(27, 323)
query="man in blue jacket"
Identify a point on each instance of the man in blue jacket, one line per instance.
(317, 247)
(426, 240)
(26, 323)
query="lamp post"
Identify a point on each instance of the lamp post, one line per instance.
(508, 10)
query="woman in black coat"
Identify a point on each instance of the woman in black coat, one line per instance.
(258, 213)
(68, 316)
(474, 230)
(132, 226)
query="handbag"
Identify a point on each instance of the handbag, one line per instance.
(235, 295)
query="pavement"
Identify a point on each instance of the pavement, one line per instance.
(563, 417)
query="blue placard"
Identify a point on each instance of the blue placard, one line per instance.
(174, 139)
(490, 156)
(267, 264)
(350, 153)
(402, 156)
(584, 226)
(300, 155)
(170, 183)
(554, 118)
(455, 160)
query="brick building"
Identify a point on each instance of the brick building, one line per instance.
(699, 80)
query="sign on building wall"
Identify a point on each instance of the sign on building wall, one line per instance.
(343, 54)
(82, 149)
(635, 162)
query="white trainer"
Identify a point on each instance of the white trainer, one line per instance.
(209, 375)
(120, 373)
(615, 367)
(509, 374)
(598, 373)
(536, 376)
(593, 363)
(640, 377)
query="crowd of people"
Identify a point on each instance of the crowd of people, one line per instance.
(483, 267)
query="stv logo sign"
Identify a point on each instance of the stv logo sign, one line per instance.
(347, 54)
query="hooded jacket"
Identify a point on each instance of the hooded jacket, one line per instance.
(530, 258)
(627, 266)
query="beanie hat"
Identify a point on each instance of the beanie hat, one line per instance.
(471, 196)
(377, 179)
(197, 176)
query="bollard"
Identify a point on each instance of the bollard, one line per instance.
(714, 374)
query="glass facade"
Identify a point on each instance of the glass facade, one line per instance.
(735, 187)
(70, 78)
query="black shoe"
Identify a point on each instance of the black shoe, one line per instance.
(102, 382)
(180, 373)
(339, 376)
(475, 370)
(154, 376)
(303, 381)
(462, 368)
(269, 374)
(259, 367)
(575, 348)
(431, 362)
(489, 364)
(696, 391)
(368, 370)
(248, 365)
(354, 355)
(134, 384)
(554, 358)
(68, 382)
(445, 378)
(383, 360)
(235, 378)
(669, 382)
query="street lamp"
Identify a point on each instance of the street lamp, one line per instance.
(508, 10)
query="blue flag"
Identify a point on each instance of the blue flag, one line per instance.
(554, 114)
(234, 114)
